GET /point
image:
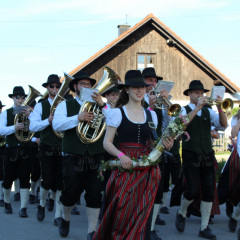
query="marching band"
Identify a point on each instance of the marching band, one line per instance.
(64, 142)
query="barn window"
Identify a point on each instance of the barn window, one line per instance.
(145, 60)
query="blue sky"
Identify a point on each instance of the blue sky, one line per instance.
(41, 37)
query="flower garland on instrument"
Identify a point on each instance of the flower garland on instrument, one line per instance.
(175, 128)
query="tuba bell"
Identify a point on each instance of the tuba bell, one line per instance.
(90, 132)
(64, 89)
(25, 135)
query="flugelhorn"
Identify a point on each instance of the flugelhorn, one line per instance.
(26, 135)
(226, 104)
(173, 109)
(90, 132)
(64, 89)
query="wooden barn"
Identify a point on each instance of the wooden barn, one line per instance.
(151, 43)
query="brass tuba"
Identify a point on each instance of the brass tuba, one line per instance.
(90, 132)
(60, 97)
(173, 109)
(25, 135)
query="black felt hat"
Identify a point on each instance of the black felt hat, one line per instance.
(133, 78)
(53, 78)
(195, 85)
(80, 76)
(150, 72)
(18, 90)
(113, 89)
(1, 106)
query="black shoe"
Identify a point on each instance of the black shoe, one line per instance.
(229, 208)
(210, 221)
(1, 203)
(31, 199)
(57, 221)
(40, 213)
(154, 236)
(23, 213)
(64, 228)
(7, 208)
(90, 235)
(238, 234)
(75, 211)
(232, 224)
(50, 204)
(159, 221)
(207, 233)
(180, 222)
(17, 196)
(164, 210)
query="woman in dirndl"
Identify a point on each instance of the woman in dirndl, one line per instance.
(234, 175)
(129, 194)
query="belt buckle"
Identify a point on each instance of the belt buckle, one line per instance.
(152, 125)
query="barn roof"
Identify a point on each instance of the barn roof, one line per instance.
(180, 44)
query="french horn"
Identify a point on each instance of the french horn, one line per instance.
(90, 132)
(26, 135)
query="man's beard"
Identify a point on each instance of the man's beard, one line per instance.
(78, 92)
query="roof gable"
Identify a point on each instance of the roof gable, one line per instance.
(217, 76)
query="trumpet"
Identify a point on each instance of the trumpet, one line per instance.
(226, 104)
(173, 109)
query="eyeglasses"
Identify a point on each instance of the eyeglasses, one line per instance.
(22, 97)
(85, 84)
(52, 86)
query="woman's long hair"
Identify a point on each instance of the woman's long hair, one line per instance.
(124, 99)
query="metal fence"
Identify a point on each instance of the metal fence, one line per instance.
(220, 145)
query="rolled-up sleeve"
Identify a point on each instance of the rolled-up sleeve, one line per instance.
(4, 129)
(36, 122)
(61, 122)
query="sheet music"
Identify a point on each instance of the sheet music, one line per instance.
(18, 110)
(164, 85)
(218, 91)
(85, 94)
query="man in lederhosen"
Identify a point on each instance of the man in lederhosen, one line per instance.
(17, 156)
(151, 78)
(50, 150)
(2, 153)
(81, 161)
(198, 156)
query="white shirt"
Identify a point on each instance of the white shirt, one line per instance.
(234, 123)
(4, 129)
(36, 122)
(114, 117)
(60, 120)
(214, 117)
(8, 130)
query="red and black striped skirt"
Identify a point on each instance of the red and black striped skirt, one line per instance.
(129, 199)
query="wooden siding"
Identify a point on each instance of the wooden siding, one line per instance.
(171, 64)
